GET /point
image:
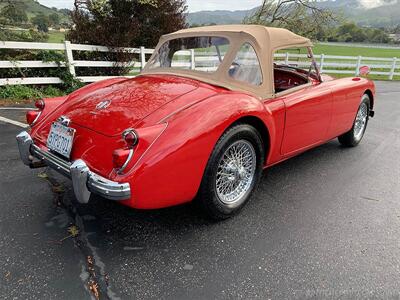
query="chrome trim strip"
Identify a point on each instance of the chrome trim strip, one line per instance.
(121, 170)
(37, 118)
(152, 143)
(84, 181)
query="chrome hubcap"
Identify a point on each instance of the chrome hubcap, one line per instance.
(235, 172)
(361, 121)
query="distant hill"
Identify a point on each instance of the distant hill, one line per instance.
(378, 13)
(219, 16)
(34, 8)
(387, 15)
(364, 12)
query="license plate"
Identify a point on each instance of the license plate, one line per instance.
(60, 139)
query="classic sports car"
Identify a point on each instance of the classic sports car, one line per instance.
(213, 107)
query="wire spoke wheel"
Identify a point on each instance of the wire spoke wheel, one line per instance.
(354, 136)
(236, 172)
(232, 172)
(361, 121)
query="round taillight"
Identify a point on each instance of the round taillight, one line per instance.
(40, 104)
(130, 137)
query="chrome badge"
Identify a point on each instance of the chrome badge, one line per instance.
(64, 120)
(103, 104)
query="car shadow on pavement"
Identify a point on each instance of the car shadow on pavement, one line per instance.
(119, 222)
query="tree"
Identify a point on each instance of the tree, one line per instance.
(42, 22)
(375, 35)
(54, 19)
(352, 32)
(125, 23)
(301, 16)
(14, 14)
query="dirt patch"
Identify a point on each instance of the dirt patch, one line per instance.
(15, 103)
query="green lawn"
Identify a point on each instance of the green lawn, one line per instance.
(56, 37)
(349, 51)
(355, 51)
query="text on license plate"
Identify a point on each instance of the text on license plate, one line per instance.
(60, 139)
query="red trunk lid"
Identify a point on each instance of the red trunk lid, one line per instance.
(112, 109)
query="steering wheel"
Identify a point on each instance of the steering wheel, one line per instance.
(233, 68)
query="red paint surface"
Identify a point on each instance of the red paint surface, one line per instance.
(179, 121)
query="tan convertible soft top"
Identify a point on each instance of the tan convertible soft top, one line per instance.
(265, 40)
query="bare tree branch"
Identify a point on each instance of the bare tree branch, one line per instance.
(301, 16)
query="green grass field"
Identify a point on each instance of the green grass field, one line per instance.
(362, 51)
(355, 51)
(56, 37)
(350, 51)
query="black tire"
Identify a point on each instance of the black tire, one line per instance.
(351, 138)
(208, 198)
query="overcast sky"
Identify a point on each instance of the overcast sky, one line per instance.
(194, 5)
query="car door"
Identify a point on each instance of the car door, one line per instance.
(308, 113)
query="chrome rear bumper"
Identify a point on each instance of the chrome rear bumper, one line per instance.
(84, 181)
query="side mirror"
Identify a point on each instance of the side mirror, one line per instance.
(364, 70)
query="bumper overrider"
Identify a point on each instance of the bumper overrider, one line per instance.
(84, 181)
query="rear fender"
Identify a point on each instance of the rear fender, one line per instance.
(50, 105)
(171, 170)
(347, 93)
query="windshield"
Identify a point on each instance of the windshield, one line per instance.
(203, 53)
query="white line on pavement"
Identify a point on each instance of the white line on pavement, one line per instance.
(2, 119)
(17, 108)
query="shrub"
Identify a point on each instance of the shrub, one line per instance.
(52, 91)
(23, 92)
(22, 36)
(19, 92)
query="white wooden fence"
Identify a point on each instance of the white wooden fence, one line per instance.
(68, 49)
(334, 64)
(388, 67)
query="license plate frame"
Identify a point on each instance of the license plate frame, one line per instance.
(60, 139)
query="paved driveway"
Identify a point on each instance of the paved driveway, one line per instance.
(325, 224)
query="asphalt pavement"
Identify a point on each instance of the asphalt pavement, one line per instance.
(323, 225)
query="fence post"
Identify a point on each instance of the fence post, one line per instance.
(69, 57)
(287, 58)
(321, 64)
(392, 69)
(142, 58)
(357, 73)
(192, 60)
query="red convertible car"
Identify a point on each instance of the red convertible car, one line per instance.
(213, 107)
